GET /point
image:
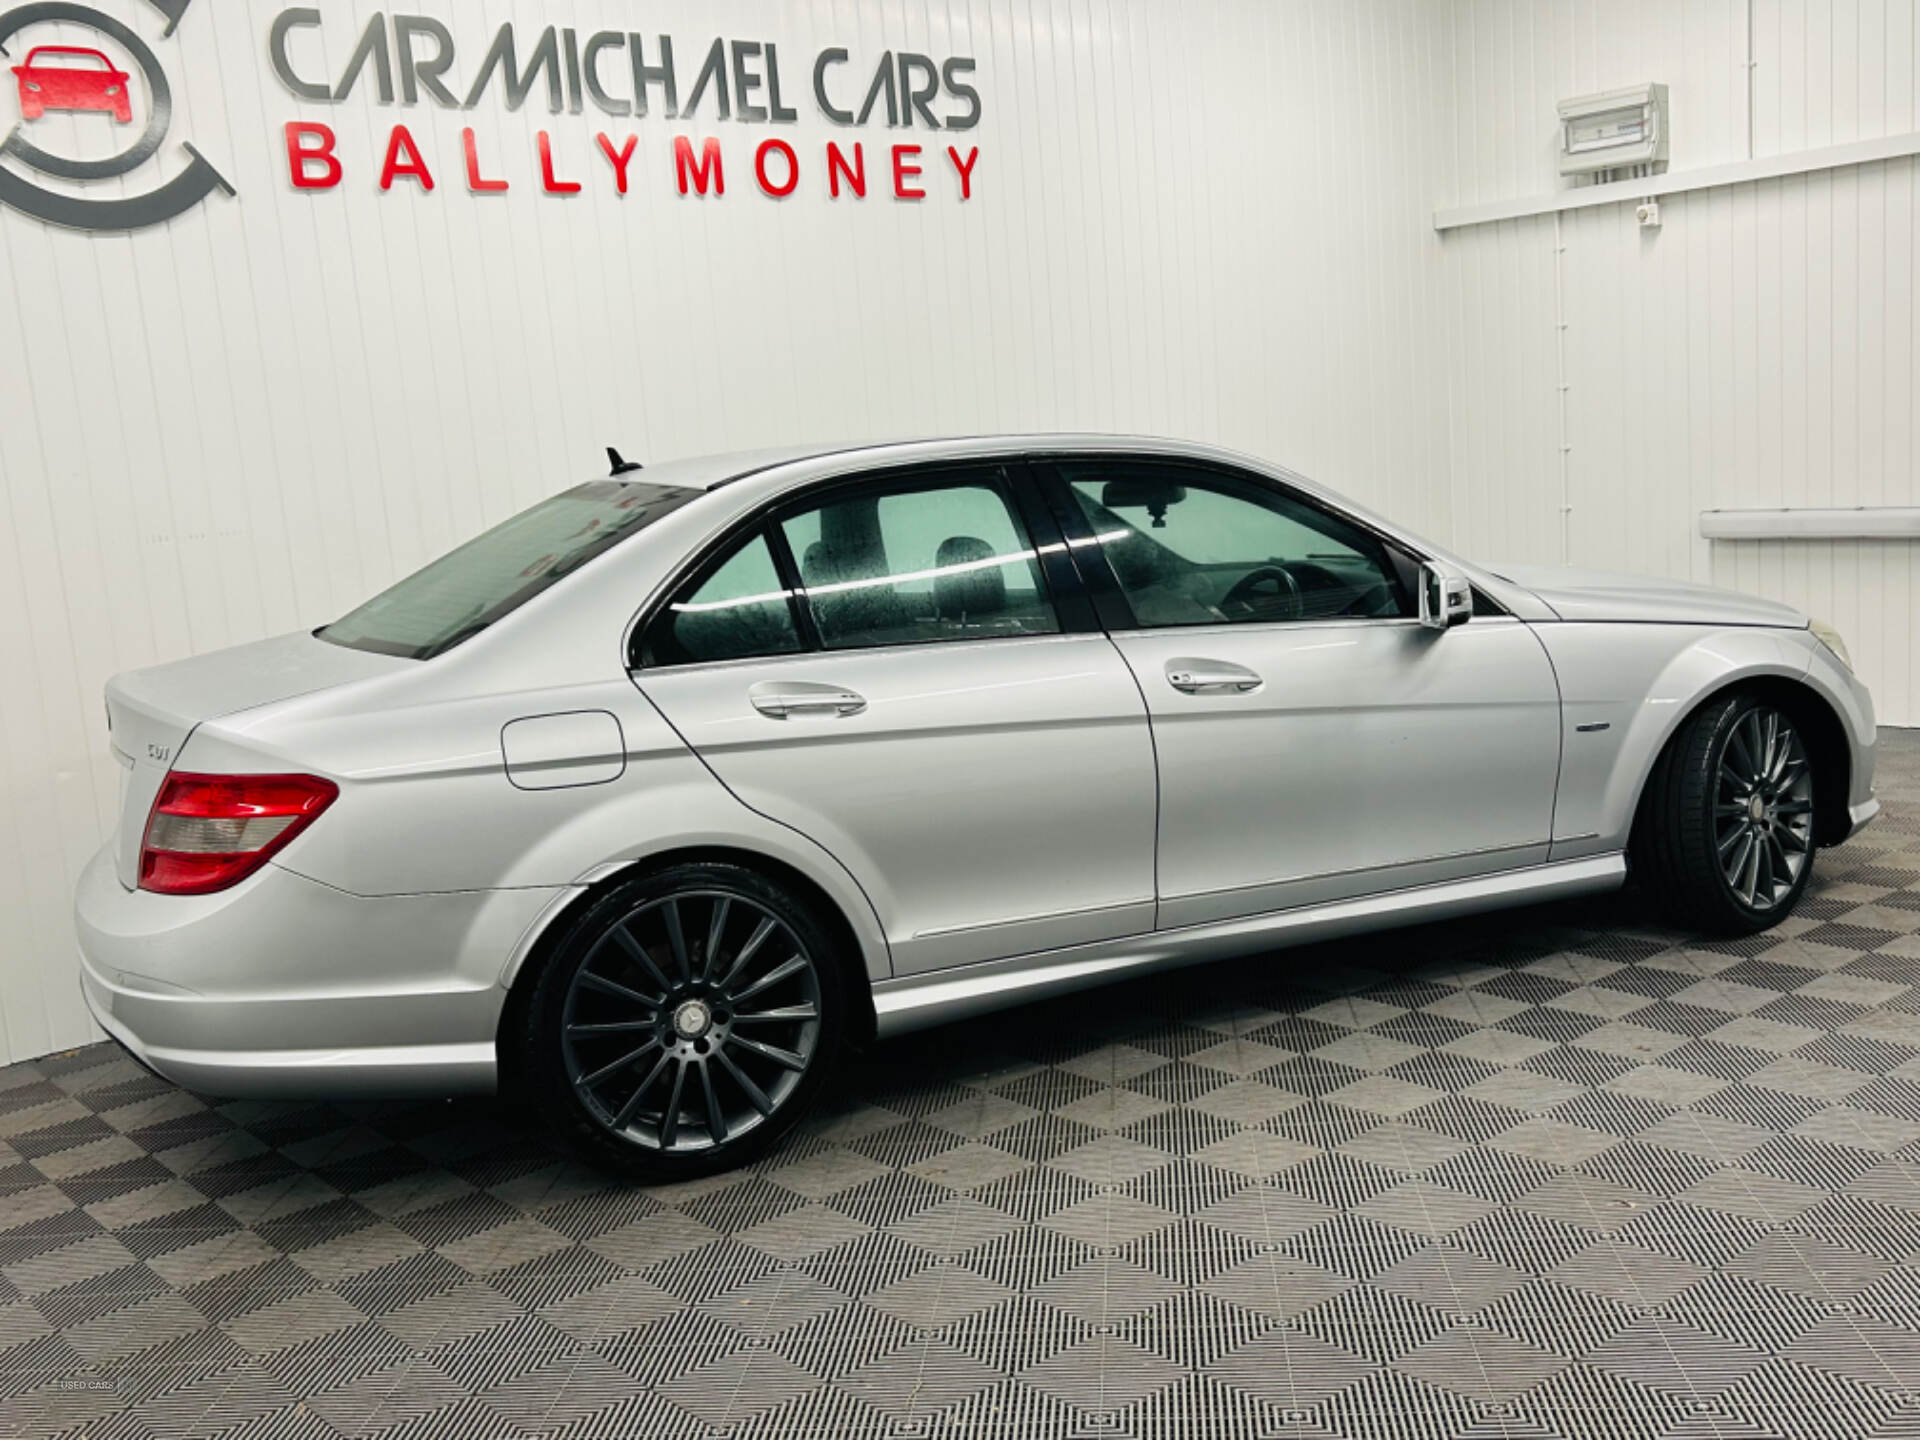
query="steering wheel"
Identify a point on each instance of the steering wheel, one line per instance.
(1323, 581)
(1245, 595)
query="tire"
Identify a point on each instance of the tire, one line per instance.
(659, 1055)
(1725, 840)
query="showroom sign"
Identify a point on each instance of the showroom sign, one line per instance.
(414, 60)
(906, 115)
(80, 79)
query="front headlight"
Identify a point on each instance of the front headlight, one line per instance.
(1830, 637)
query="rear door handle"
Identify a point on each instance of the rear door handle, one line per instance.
(778, 702)
(1211, 677)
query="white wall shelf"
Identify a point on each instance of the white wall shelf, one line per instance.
(1865, 522)
(1737, 172)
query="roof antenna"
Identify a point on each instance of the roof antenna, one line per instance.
(621, 467)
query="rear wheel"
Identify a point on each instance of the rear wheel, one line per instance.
(1726, 833)
(685, 1022)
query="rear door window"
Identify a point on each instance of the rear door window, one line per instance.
(919, 560)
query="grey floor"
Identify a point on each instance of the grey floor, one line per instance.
(1561, 1173)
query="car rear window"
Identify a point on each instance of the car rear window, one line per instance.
(462, 593)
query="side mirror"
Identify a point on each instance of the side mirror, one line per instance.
(1446, 597)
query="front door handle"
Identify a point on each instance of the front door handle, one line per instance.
(778, 702)
(1211, 677)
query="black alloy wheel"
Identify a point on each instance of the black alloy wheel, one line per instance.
(1763, 809)
(1725, 835)
(686, 1021)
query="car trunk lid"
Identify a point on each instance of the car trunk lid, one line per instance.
(151, 713)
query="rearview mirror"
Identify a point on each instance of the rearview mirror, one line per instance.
(1146, 492)
(1446, 596)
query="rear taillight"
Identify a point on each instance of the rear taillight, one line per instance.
(208, 832)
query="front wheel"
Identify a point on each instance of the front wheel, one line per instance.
(1726, 833)
(685, 1022)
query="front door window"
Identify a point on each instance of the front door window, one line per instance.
(1190, 547)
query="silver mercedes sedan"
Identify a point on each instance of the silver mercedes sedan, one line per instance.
(650, 801)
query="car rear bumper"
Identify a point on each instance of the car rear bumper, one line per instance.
(286, 987)
(339, 1073)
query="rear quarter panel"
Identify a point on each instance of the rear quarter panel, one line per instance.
(426, 805)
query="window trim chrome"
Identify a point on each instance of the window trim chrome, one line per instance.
(1030, 478)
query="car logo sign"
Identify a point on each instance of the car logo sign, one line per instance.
(81, 78)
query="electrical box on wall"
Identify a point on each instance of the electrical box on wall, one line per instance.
(1617, 130)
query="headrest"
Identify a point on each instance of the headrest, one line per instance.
(816, 566)
(969, 594)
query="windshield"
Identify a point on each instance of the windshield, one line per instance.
(462, 593)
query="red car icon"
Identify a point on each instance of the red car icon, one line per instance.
(68, 86)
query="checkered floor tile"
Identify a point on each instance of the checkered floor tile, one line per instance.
(1558, 1173)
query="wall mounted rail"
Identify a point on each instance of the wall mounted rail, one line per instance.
(1652, 187)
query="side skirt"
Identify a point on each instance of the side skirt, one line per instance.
(917, 1001)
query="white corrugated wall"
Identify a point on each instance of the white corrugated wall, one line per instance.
(1205, 220)
(1757, 350)
(1199, 220)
